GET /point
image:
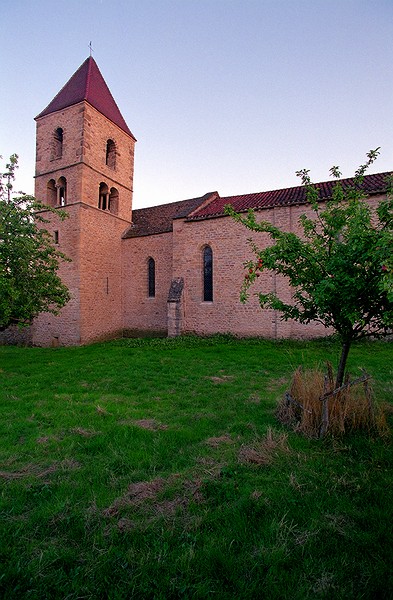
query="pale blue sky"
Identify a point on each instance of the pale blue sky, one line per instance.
(226, 95)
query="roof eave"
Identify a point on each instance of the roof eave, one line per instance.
(44, 114)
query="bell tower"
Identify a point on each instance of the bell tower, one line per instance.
(85, 166)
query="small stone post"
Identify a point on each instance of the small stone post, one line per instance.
(175, 307)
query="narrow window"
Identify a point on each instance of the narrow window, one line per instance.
(56, 235)
(113, 206)
(207, 274)
(58, 143)
(103, 197)
(151, 271)
(51, 193)
(62, 191)
(110, 158)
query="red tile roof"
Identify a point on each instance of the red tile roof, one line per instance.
(372, 184)
(159, 219)
(88, 84)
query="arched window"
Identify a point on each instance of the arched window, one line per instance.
(51, 193)
(61, 191)
(207, 274)
(151, 276)
(110, 158)
(103, 198)
(58, 143)
(113, 201)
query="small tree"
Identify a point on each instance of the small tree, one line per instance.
(340, 268)
(29, 261)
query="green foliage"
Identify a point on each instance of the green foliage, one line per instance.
(29, 261)
(340, 268)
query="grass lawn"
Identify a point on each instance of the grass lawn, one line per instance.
(155, 469)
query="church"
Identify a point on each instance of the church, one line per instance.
(165, 270)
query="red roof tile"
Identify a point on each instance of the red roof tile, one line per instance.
(372, 184)
(159, 219)
(88, 84)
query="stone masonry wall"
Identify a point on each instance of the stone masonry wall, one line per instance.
(100, 274)
(69, 164)
(64, 329)
(82, 164)
(13, 336)
(91, 237)
(142, 313)
(97, 130)
(228, 241)
(225, 313)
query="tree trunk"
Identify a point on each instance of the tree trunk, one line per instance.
(327, 389)
(343, 361)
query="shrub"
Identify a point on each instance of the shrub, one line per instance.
(350, 408)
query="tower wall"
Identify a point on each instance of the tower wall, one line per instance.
(69, 165)
(83, 160)
(91, 238)
(97, 130)
(101, 278)
(64, 329)
(84, 165)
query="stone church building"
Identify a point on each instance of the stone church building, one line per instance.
(169, 269)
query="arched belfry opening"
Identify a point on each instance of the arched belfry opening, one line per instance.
(110, 155)
(114, 201)
(58, 143)
(103, 197)
(51, 193)
(61, 191)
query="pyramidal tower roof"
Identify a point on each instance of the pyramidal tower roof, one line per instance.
(88, 84)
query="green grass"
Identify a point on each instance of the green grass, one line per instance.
(155, 469)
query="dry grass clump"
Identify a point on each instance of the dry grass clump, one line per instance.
(144, 496)
(220, 378)
(264, 450)
(136, 494)
(34, 470)
(214, 442)
(353, 408)
(150, 424)
(85, 432)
